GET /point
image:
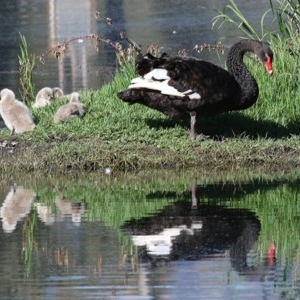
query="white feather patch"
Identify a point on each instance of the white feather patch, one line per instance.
(157, 74)
(158, 80)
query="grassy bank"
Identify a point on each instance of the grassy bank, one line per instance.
(126, 137)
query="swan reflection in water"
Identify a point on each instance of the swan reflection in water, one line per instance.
(160, 244)
(65, 208)
(19, 201)
(192, 232)
(16, 206)
(70, 208)
(45, 213)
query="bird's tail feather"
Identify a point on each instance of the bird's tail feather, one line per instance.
(148, 62)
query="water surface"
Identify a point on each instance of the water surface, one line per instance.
(149, 237)
(173, 25)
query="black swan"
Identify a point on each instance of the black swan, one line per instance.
(179, 86)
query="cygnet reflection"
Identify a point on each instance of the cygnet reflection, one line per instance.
(16, 206)
(45, 214)
(70, 208)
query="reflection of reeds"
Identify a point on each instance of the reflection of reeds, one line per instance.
(62, 257)
(29, 245)
(278, 212)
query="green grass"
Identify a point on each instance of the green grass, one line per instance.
(113, 120)
(278, 105)
(279, 95)
(130, 137)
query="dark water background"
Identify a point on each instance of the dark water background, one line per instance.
(173, 25)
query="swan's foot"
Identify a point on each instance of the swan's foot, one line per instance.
(193, 125)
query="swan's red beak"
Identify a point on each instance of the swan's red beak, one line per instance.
(268, 65)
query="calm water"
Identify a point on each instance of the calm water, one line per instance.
(173, 25)
(149, 237)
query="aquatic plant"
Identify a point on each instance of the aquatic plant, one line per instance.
(26, 67)
(29, 245)
(232, 14)
(286, 14)
(288, 17)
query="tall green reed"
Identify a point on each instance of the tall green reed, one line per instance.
(233, 15)
(28, 241)
(26, 67)
(288, 17)
(286, 14)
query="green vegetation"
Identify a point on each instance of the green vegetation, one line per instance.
(278, 211)
(27, 64)
(232, 14)
(29, 243)
(286, 14)
(288, 18)
(135, 137)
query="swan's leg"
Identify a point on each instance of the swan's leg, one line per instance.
(193, 124)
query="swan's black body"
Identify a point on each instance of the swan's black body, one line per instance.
(199, 88)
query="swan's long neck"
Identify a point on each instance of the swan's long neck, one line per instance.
(241, 74)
